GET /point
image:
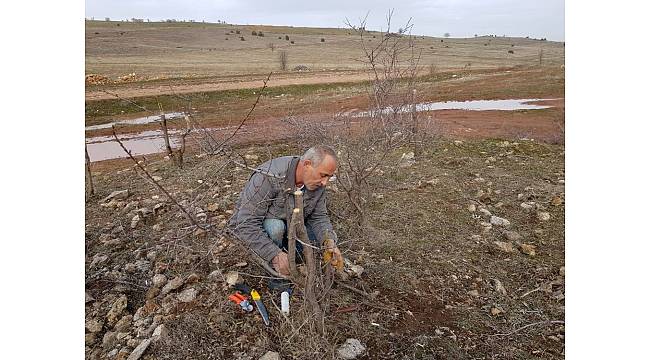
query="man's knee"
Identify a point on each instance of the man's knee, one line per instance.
(275, 228)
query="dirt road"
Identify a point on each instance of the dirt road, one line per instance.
(215, 84)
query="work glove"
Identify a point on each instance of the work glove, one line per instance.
(332, 254)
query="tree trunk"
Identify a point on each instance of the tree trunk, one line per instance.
(91, 189)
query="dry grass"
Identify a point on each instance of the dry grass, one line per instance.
(187, 50)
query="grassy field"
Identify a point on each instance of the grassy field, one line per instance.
(190, 50)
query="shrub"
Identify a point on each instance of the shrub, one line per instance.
(322, 39)
(511, 51)
(286, 37)
(237, 31)
(292, 41)
(242, 38)
(254, 33)
(259, 33)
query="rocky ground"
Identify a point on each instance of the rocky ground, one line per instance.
(463, 257)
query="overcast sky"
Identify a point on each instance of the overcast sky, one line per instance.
(460, 18)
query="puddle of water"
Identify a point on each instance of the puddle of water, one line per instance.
(142, 143)
(142, 120)
(472, 105)
(147, 142)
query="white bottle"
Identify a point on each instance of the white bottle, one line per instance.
(284, 302)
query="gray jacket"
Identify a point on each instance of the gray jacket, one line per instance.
(268, 194)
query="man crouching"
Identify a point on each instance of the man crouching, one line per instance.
(266, 203)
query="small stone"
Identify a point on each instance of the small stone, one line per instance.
(91, 338)
(98, 261)
(116, 195)
(157, 178)
(160, 333)
(351, 349)
(94, 325)
(498, 286)
(512, 236)
(356, 270)
(241, 264)
(116, 309)
(152, 292)
(485, 212)
(562, 271)
(159, 280)
(139, 350)
(135, 221)
(187, 295)
(251, 157)
(129, 268)
(172, 285)
(407, 160)
(476, 238)
(213, 207)
(193, 278)
(504, 246)
(543, 216)
(497, 221)
(495, 311)
(528, 249)
(157, 227)
(528, 205)
(556, 201)
(471, 208)
(270, 355)
(109, 340)
(124, 324)
(232, 278)
(199, 233)
(473, 293)
(89, 298)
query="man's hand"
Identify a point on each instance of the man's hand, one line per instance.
(281, 263)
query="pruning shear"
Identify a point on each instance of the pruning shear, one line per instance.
(242, 301)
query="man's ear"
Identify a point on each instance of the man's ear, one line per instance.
(308, 162)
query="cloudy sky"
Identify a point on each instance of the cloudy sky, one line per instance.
(460, 18)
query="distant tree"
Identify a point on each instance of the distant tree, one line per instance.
(107, 19)
(447, 35)
(475, 35)
(286, 37)
(283, 59)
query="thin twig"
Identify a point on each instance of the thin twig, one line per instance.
(529, 325)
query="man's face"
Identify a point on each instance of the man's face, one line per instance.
(318, 176)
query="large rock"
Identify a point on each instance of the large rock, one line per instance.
(159, 333)
(139, 350)
(351, 349)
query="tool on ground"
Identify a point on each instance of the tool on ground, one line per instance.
(257, 299)
(260, 307)
(242, 301)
